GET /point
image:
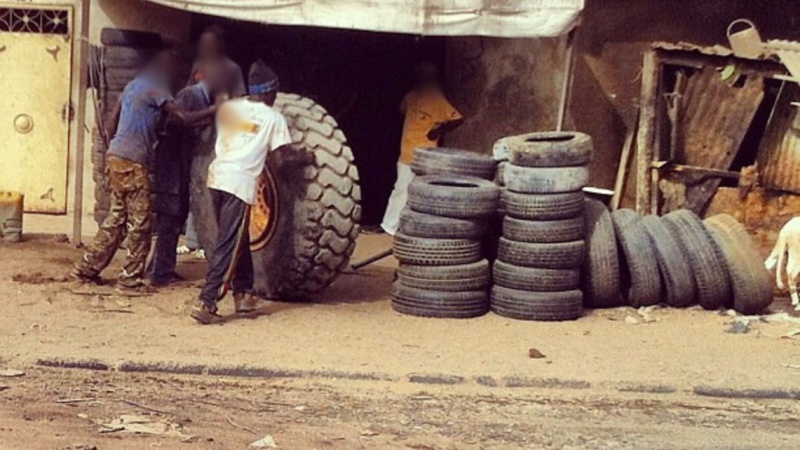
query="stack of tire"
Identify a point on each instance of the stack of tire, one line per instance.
(443, 272)
(537, 272)
(123, 54)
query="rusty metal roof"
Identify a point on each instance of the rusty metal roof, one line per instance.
(779, 153)
(716, 50)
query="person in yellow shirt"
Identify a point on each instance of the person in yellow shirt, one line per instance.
(428, 116)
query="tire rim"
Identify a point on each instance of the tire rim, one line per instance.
(264, 212)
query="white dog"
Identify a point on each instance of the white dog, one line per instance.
(788, 245)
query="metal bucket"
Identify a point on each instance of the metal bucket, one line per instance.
(11, 215)
(745, 43)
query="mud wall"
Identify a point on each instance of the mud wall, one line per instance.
(503, 87)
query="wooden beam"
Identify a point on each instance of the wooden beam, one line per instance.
(566, 87)
(682, 168)
(646, 135)
(81, 17)
(622, 169)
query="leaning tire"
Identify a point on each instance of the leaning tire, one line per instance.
(533, 279)
(750, 281)
(601, 268)
(544, 306)
(562, 255)
(545, 180)
(117, 79)
(439, 304)
(551, 149)
(318, 205)
(544, 231)
(705, 258)
(542, 206)
(129, 38)
(451, 161)
(435, 252)
(126, 57)
(418, 224)
(639, 274)
(453, 196)
(674, 268)
(467, 277)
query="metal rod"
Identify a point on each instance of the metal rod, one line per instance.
(374, 258)
(682, 168)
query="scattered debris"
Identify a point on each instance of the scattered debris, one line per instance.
(241, 427)
(37, 278)
(11, 373)
(265, 442)
(739, 327)
(369, 433)
(75, 400)
(61, 238)
(300, 408)
(631, 320)
(792, 366)
(147, 408)
(143, 425)
(3, 388)
(645, 311)
(535, 354)
(792, 334)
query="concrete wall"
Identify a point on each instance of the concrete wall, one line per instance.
(503, 87)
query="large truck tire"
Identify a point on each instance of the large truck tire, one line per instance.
(314, 207)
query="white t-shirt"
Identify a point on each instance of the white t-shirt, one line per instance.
(246, 132)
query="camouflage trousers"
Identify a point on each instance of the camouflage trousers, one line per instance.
(129, 213)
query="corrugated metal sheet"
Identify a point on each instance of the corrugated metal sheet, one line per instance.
(716, 50)
(779, 154)
(789, 53)
(714, 117)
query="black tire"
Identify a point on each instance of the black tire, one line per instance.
(705, 258)
(500, 179)
(451, 161)
(601, 268)
(544, 231)
(126, 57)
(318, 205)
(639, 274)
(453, 196)
(545, 180)
(750, 281)
(532, 279)
(562, 255)
(417, 224)
(673, 265)
(117, 79)
(550, 149)
(436, 252)
(543, 306)
(439, 304)
(467, 277)
(542, 206)
(129, 38)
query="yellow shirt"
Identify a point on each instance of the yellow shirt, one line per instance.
(423, 111)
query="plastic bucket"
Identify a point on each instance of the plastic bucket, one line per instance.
(745, 43)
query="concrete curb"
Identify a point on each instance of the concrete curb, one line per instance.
(240, 371)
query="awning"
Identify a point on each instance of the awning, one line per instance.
(501, 18)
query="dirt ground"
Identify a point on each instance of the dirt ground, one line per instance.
(347, 372)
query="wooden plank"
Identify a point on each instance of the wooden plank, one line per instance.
(622, 169)
(646, 136)
(81, 60)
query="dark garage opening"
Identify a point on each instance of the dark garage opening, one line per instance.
(360, 77)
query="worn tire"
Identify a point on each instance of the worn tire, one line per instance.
(129, 38)
(601, 268)
(467, 277)
(126, 57)
(453, 196)
(417, 224)
(544, 231)
(543, 306)
(318, 204)
(436, 252)
(116, 80)
(500, 178)
(439, 304)
(562, 255)
(673, 265)
(705, 258)
(533, 279)
(639, 274)
(550, 149)
(542, 206)
(451, 161)
(545, 180)
(750, 281)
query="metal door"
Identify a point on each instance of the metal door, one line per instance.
(35, 62)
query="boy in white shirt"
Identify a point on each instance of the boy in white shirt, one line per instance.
(247, 130)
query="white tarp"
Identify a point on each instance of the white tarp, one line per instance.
(501, 18)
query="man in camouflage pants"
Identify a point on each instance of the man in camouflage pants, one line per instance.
(133, 128)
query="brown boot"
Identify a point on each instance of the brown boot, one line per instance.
(204, 314)
(245, 302)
